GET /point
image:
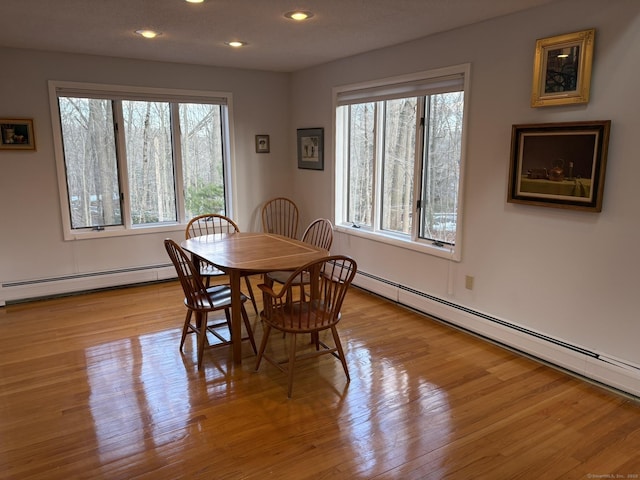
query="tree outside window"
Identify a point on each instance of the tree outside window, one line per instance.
(165, 164)
(400, 146)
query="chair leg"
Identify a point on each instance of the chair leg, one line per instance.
(227, 315)
(247, 325)
(263, 344)
(269, 283)
(201, 320)
(185, 328)
(336, 339)
(291, 364)
(251, 295)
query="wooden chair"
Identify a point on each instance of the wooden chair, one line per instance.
(330, 278)
(280, 216)
(319, 233)
(209, 224)
(201, 301)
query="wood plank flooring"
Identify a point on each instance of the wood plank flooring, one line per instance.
(94, 387)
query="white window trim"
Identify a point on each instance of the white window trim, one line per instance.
(165, 94)
(450, 252)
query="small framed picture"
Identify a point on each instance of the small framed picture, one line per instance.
(262, 144)
(16, 134)
(311, 148)
(559, 165)
(562, 69)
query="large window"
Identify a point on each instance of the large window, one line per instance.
(399, 154)
(135, 159)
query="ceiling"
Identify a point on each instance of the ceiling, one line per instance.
(195, 33)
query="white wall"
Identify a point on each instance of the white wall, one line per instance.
(567, 274)
(31, 241)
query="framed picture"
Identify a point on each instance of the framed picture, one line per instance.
(311, 148)
(562, 69)
(559, 165)
(262, 144)
(17, 134)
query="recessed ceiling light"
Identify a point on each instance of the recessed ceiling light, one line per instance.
(148, 33)
(236, 43)
(299, 15)
(195, 1)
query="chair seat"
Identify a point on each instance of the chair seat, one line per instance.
(282, 277)
(218, 297)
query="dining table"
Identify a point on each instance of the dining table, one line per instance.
(248, 253)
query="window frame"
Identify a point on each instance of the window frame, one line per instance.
(121, 92)
(341, 146)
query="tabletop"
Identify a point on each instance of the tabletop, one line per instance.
(253, 252)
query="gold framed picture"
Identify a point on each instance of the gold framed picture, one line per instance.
(562, 69)
(17, 134)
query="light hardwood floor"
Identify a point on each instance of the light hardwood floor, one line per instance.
(93, 386)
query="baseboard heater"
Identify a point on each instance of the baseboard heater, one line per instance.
(25, 290)
(606, 370)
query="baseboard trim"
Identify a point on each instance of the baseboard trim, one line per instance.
(597, 367)
(25, 290)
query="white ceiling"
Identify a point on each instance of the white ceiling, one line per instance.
(196, 33)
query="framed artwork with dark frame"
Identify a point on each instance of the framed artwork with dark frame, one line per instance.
(562, 69)
(262, 144)
(560, 165)
(311, 148)
(17, 134)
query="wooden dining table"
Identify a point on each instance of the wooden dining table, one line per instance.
(247, 253)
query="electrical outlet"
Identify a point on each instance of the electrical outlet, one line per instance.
(468, 282)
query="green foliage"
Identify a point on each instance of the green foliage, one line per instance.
(205, 199)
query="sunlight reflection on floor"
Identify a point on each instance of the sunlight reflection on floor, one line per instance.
(397, 400)
(142, 403)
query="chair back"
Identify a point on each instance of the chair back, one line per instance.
(195, 293)
(280, 216)
(319, 233)
(330, 278)
(209, 224)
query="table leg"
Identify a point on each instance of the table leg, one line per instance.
(236, 317)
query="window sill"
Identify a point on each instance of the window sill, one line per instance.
(447, 251)
(109, 232)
